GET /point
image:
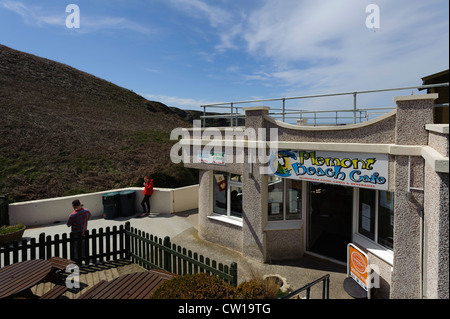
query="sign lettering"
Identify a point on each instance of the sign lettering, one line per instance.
(348, 169)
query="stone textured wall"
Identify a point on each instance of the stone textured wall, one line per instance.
(437, 224)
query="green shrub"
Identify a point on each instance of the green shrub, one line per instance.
(194, 286)
(252, 289)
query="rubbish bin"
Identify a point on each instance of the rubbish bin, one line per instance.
(127, 202)
(111, 205)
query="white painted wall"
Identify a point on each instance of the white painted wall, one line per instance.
(48, 211)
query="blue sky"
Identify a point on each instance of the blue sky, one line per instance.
(186, 53)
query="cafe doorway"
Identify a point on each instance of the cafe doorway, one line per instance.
(330, 220)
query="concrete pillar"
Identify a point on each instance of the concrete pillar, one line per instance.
(413, 113)
(255, 192)
(436, 243)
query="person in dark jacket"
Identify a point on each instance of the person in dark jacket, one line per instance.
(148, 191)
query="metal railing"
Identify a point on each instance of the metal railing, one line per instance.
(325, 288)
(355, 113)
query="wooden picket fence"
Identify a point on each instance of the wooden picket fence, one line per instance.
(152, 252)
(118, 243)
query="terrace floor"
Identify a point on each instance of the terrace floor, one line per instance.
(182, 228)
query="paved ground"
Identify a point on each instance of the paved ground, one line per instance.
(182, 229)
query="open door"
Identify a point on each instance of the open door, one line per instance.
(330, 220)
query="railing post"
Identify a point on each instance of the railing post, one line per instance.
(167, 263)
(127, 240)
(284, 108)
(354, 108)
(42, 246)
(204, 114)
(231, 114)
(328, 287)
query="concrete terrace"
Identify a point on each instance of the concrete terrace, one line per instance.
(182, 229)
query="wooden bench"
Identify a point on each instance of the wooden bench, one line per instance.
(60, 263)
(93, 290)
(55, 292)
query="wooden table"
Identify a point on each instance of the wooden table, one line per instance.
(21, 276)
(139, 285)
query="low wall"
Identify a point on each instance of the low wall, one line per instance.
(48, 211)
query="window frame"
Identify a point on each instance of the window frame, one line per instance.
(358, 213)
(284, 202)
(230, 183)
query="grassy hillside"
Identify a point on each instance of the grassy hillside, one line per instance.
(65, 132)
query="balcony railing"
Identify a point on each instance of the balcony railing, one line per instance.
(232, 111)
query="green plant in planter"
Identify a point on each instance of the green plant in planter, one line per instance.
(5, 230)
(11, 233)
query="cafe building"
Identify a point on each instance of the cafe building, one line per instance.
(381, 185)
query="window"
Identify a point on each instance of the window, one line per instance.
(227, 194)
(366, 219)
(284, 199)
(386, 219)
(376, 216)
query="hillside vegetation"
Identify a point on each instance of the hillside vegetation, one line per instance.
(65, 132)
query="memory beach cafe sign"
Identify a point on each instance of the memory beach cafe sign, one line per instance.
(347, 169)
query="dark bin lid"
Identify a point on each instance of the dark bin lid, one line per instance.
(112, 194)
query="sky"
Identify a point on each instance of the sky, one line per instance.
(187, 53)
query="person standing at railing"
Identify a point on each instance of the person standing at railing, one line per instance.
(148, 191)
(78, 220)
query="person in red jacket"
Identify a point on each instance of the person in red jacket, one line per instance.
(148, 191)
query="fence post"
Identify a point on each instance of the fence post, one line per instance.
(42, 246)
(127, 240)
(167, 263)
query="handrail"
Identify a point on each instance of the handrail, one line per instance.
(428, 86)
(307, 287)
(234, 107)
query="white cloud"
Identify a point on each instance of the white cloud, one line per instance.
(33, 15)
(200, 9)
(324, 46)
(151, 70)
(180, 102)
(96, 23)
(38, 16)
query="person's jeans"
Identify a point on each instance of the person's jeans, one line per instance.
(79, 251)
(146, 204)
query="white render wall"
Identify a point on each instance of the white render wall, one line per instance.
(48, 211)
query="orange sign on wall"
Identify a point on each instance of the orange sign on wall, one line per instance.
(358, 266)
